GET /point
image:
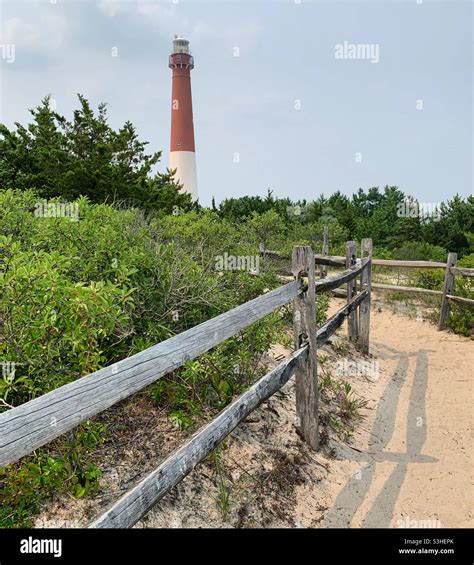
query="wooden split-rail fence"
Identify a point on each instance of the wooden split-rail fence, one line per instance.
(324, 260)
(35, 423)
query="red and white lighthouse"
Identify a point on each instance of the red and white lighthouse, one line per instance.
(182, 149)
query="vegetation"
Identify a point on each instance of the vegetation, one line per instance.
(78, 295)
(84, 156)
(62, 468)
(224, 488)
(341, 407)
(134, 262)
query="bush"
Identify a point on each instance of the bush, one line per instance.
(25, 486)
(212, 380)
(461, 317)
(105, 287)
(420, 251)
(80, 295)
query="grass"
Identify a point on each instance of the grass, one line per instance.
(341, 347)
(343, 408)
(224, 490)
(351, 404)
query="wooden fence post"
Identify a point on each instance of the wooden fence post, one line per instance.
(351, 257)
(448, 289)
(323, 270)
(304, 327)
(364, 308)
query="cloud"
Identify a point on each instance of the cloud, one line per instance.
(238, 34)
(15, 29)
(166, 19)
(170, 19)
(112, 7)
(46, 34)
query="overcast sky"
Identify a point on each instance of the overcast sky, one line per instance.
(278, 102)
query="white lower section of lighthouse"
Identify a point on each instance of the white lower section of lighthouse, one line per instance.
(185, 164)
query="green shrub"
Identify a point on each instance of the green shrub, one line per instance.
(52, 329)
(26, 486)
(419, 251)
(79, 295)
(216, 377)
(461, 316)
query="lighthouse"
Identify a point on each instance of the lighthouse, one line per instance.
(182, 149)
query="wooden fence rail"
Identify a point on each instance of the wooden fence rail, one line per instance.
(462, 271)
(336, 280)
(340, 261)
(325, 260)
(409, 264)
(138, 501)
(461, 299)
(414, 289)
(33, 424)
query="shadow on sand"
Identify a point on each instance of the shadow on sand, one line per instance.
(354, 492)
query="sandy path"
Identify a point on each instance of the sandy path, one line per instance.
(409, 462)
(416, 464)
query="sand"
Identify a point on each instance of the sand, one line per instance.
(408, 462)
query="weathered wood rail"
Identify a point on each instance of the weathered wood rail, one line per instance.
(449, 277)
(325, 260)
(137, 502)
(35, 423)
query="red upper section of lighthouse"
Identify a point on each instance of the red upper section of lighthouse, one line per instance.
(182, 127)
(181, 60)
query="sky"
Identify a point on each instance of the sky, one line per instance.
(303, 97)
